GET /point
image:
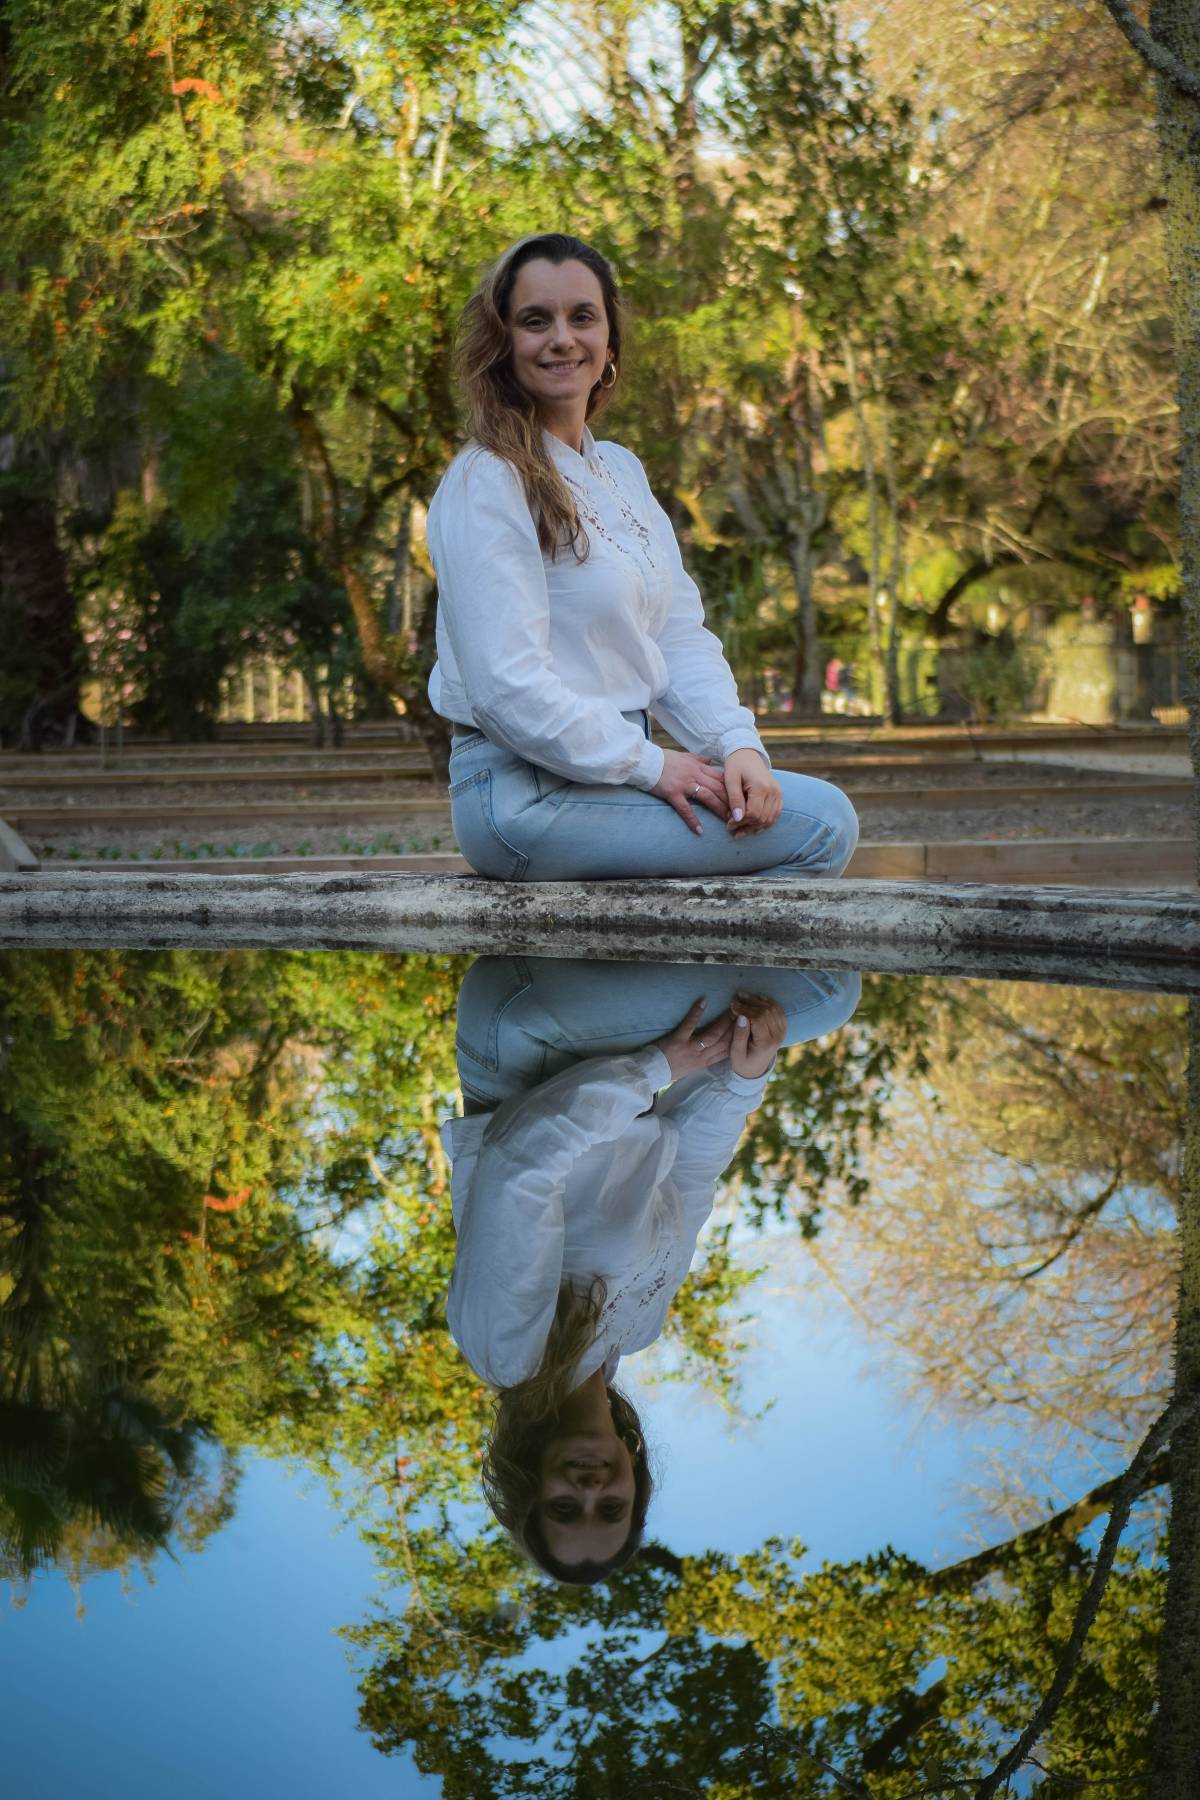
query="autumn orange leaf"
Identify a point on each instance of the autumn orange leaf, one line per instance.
(192, 84)
(227, 1203)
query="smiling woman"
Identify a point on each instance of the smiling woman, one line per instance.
(551, 665)
(566, 1471)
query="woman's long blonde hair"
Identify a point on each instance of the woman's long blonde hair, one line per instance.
(526, 1418)
(502, 417)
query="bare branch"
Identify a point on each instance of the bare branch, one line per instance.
(1160, 59)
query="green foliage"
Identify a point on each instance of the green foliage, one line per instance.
(999, 677)
(826, 1100)
(739, 1676)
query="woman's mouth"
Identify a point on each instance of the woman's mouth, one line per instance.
(562, 368)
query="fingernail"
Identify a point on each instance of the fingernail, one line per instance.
(737, 812)
(742, 1019)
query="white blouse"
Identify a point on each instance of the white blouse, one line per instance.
(588, 1174)
(545, 656)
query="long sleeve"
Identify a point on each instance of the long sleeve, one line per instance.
(709, 1110)
(494, 607)
(700, 708)
(509, 1258)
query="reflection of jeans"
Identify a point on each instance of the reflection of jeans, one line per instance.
(515, 821)
(523, 1018)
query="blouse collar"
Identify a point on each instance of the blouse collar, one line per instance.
(571, 461)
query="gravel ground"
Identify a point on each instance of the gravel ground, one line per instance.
(433, 832)
(210, 793)
(156, 843)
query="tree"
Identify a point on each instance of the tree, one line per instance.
(1017, 1250)
(741, 1676)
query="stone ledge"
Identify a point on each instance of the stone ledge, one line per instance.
(15, 853)
(1100, 937)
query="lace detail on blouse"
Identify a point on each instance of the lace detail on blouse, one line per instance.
(588, 512)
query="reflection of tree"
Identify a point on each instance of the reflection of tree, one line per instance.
(168, 1276)
(828, 1101)
(751, 1675)
(88, 1458)
(1019, 1246)
(1176, 1762)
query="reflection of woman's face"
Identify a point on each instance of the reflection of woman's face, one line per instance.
(586, 1498)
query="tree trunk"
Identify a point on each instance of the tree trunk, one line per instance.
(807, 685)
(809, 512)
(37, 595)
(1175, 1742)
(867, 453)
(1175, 24)
(312, 684)
(892, 714)
(384, 657)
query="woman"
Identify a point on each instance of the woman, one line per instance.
(566, 619)
(577, 1207)
(594, 1134)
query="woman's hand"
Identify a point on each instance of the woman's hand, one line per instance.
(688, 781)
(755, 798)
(759, 1027)
(683, 1048)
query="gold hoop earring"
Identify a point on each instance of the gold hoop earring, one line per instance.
(610, 370)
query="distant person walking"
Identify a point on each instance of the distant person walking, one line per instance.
(566, 620)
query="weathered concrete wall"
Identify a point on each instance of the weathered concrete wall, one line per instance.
(1093, 936)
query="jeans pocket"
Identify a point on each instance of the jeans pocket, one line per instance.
(491, 986)
(485, 848)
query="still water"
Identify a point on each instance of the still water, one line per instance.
(887, 1299)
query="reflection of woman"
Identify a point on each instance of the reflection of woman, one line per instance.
(578, 1199)
(566, 619)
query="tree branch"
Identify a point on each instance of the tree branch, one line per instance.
(1069, 1523)
(1160, 59)
(1127, 1488)
(657, 1556)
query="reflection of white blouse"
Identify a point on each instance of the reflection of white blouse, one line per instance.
(545, 656)
(576, 1178)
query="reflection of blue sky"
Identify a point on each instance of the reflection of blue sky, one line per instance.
(226, 1677)
(223, 1680)
(842, 1461)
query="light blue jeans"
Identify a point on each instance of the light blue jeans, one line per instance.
(515, 821)
(522, 1019)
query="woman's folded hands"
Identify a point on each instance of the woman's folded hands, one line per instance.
(743, 792)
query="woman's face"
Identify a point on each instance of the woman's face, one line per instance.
(585, 1505)
(559, 332)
